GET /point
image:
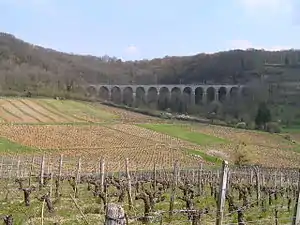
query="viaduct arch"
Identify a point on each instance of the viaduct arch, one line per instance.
(164, 96)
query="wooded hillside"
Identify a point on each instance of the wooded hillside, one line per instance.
(26, 66)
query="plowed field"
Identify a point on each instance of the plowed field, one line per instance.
(17, 110)
(90, 131)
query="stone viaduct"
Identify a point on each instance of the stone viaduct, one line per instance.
(136, 95)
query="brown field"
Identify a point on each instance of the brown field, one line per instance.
(92, 131)
(114, 143)
(20, 110)
(41, 124)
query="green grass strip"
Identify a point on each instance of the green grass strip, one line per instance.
(293, 129)
(7, 146)
(183, 132)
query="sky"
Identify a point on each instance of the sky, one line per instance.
(146, 29)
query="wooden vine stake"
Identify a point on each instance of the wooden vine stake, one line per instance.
(257, 175)
(154, 177)
(102, 166)
(129, 185)
(42, 172)
(58, 178)
(174, 184)
(296, 219)
(60, 167)
(200, 179)
(77, 178)
(222, 193)
(31, 171)
(18, 167)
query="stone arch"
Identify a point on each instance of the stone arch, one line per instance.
(199, 93)
(128, 98)
(104, 93)
(116, 95)
(222, 93)
(164, 98)
(234, 93)
(211, 94)
(187, 98)
(176, 100)
(91, 91)
(152, 97)
(187, 94)
(140, 97)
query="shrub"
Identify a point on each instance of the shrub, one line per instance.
(234, 121)
(227, 119)
(245, 118)
(220, 123)
(251, 125)
(241, 159)
(273, 127)
(288, 137)
(263, 115)
(166, 115)
(241, 125)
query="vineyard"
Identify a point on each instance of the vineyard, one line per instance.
(44, 191)
(63, 162)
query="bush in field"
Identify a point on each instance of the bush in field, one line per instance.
(166, 115)
(273, 127)
(263, 115)
(241, 125)
(251, 125)
(240, 157)
(287, 137)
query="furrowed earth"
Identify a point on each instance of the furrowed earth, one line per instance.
(91, 131)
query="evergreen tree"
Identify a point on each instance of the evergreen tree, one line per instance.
(263, 115)
(286, 60)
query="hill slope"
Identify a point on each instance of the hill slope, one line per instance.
(26, 66)
(88, 130)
